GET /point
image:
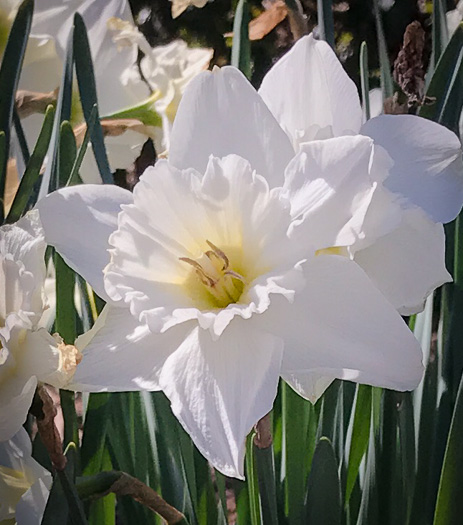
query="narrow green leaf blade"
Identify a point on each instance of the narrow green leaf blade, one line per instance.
(88, 95)
(387, 84)
(449, 507)
(439, 30)
(360, 435)
(32, 173)
(326, 21)
(365, 79)
(10, 71)
(241, 51)
(323, 501)
(445, 88)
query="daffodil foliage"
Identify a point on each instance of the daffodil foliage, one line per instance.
(266, 327)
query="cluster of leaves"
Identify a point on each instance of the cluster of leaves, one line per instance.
(361, 455)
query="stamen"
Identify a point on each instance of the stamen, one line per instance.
(219, 254)
(236, 275)
(214, 273)
(205, 279)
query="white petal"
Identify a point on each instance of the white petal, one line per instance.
(120, 354)
(78, 222)
(26, 497)
(22, 268)
(173, 216)
(309, 385)
(311, 95)
(219, 390)
(341, 326)
(221, 113)
(408, 263)
(31, 507)
(329, 186)
(376, 102)
(428, 165)
(16, 395)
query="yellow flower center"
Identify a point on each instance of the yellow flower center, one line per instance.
(213, 282)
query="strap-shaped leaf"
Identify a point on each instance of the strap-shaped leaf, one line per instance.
(241, 51)
(32, 173)
(449, 507)
(445, 91)
(323, 501)
(88, 95)
(10, 71)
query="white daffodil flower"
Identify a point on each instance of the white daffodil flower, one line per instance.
(168, 70)
(118, 81)
(24, 484)
(426, 174)
(28, 353)
(228, 272)
(178, 6)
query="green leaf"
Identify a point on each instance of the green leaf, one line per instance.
(67, 153)
(326, 21)
(368, 513)
(32, 173)
(88, 95)
(323, 503)
(267, 484)
(449, 507)
(74, 175)
(407, 450)
(94, 433)
(252, 482)
(299, 423)
(365, 79)
(387, 84)
(360, 436)
(10, 71)
(241, 51)
(21, 137)
(63, 113)
(445, 89)
(439, 30)
(426, 432)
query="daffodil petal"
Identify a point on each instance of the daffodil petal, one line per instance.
(78, 221)
(408, 263)
(428, 163)
(16, 395)
(329, 186)
(309, 385)
(219, 390)
(310, 94)
(220, 113)
(31, 507)
(120, 354)
(341, 326)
